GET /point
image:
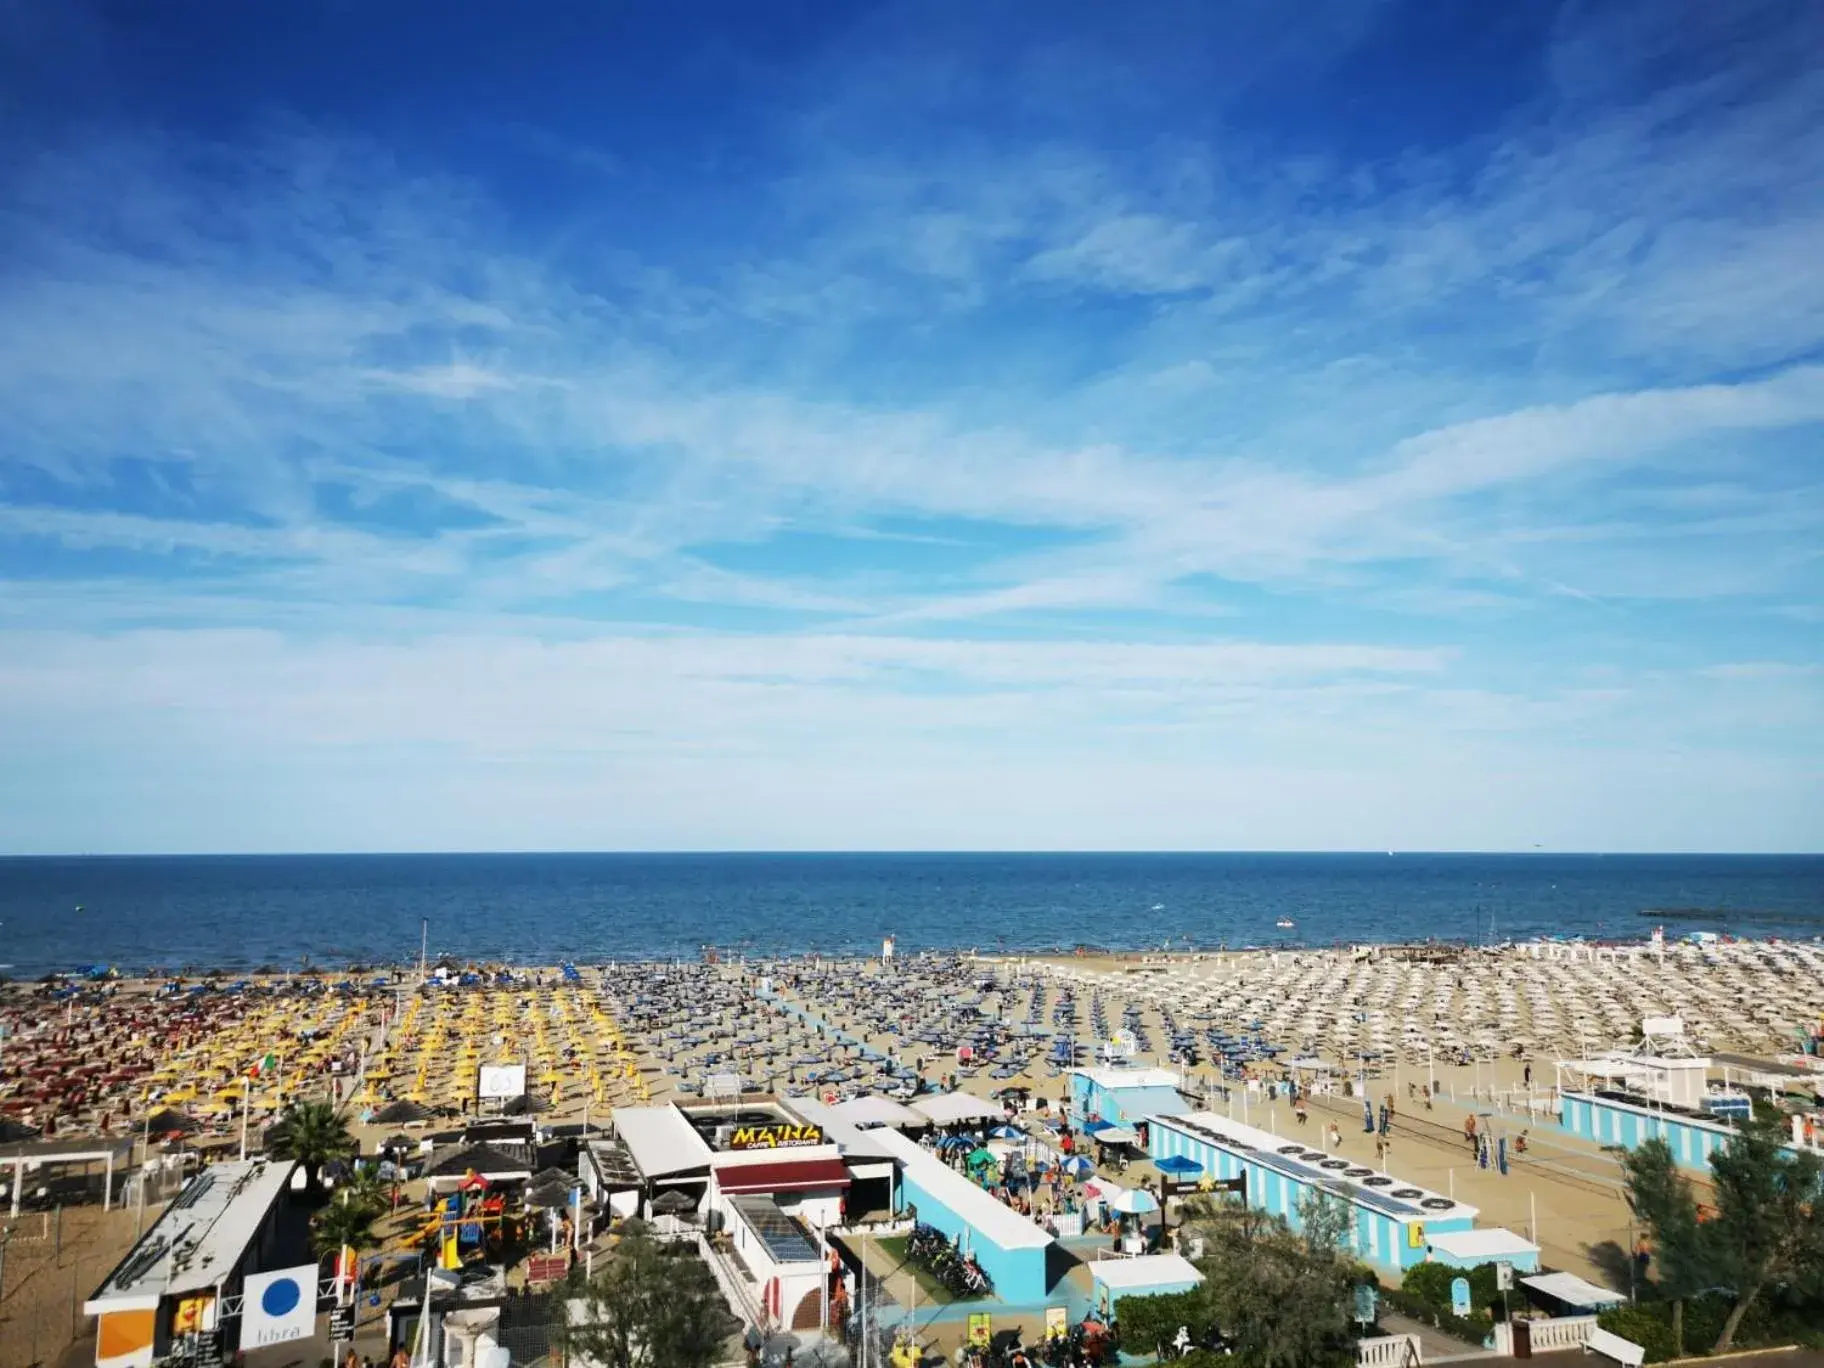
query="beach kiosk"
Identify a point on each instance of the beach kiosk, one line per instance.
(1123, 1096)
(1392, 1222)
(1144, 1275)
(220, 1269)
(1472, 1248)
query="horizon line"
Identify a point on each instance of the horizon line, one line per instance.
(725, 852)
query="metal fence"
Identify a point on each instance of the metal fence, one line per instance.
(49, 1264)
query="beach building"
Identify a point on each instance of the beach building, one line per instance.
(1567, 1294)
(609, 1177)
(1124, 1096)
(1393, 1223)
(774, 1176)
(1629, 1120)
(956, 1109)
(179, 1291)
(875, 1110)
(1141, 1275)
(1013, 1251)
(785, 1258)
(872, 1170)
(1660, 1089)
(667, 1153)
(797, 1152)
(1470, 1248)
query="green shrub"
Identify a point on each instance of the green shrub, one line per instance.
(1431, 1282)
(1650, 1327)
(1772, 1320)
(1474, 1328)
(1148, 1322)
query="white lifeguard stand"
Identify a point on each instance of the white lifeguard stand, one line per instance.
(1669, 1068)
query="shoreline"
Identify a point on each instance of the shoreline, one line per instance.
(15, 976)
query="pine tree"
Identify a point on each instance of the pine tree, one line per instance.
(1663, 1203)
(1767, 1231)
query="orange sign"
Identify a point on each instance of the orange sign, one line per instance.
(192, 1315)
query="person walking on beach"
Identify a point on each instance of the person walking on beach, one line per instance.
(1469, 1131)
(1380, 1150)
(1299, 1113)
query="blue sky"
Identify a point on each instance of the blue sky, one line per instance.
(911, 426)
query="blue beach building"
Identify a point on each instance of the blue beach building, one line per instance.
(1660, 1089)
(1124, 1096)
(1613, 1118)
(1393, 1222)
(1013, 1252)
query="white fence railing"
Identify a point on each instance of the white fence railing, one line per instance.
(1388, 1351)
(1561, 1332)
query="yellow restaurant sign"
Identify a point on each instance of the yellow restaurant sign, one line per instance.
(781, 1136)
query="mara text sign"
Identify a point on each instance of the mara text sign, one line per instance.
(783, 1135)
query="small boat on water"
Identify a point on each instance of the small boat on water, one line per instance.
(1285, 922)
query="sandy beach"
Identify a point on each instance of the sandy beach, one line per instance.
(1439, 1032)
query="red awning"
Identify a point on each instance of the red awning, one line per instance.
(787, 1175)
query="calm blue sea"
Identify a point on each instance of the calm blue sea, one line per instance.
(239, 912)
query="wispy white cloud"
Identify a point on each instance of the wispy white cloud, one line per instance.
(1189, 441)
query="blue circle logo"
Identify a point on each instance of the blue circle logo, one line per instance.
(280, 1297)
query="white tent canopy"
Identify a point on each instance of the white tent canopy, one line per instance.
(950, 1109)
(1573, 1290)
(879, 1111)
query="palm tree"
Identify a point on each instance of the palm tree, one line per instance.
(341, 1223)
(314, 1135)
(364, 1189)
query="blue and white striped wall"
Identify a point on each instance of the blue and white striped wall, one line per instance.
(1610, 1122)
(1377, 1237)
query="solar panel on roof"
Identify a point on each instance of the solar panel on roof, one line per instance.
(1385, 1205)
(783, 1237)
(1303, 1173)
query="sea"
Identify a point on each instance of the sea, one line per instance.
(164, 913)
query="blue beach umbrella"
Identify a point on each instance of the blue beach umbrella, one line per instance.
(1177, 1163)
(1077, 1166)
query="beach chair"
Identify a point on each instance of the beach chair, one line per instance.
(1613, 1346)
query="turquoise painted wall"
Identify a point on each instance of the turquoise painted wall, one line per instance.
(1379, 1238)
(1018, 1274)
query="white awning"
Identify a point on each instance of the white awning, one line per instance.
(949, 1109)
(879, 1111)
(660, 1141)
(1573, 1290)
